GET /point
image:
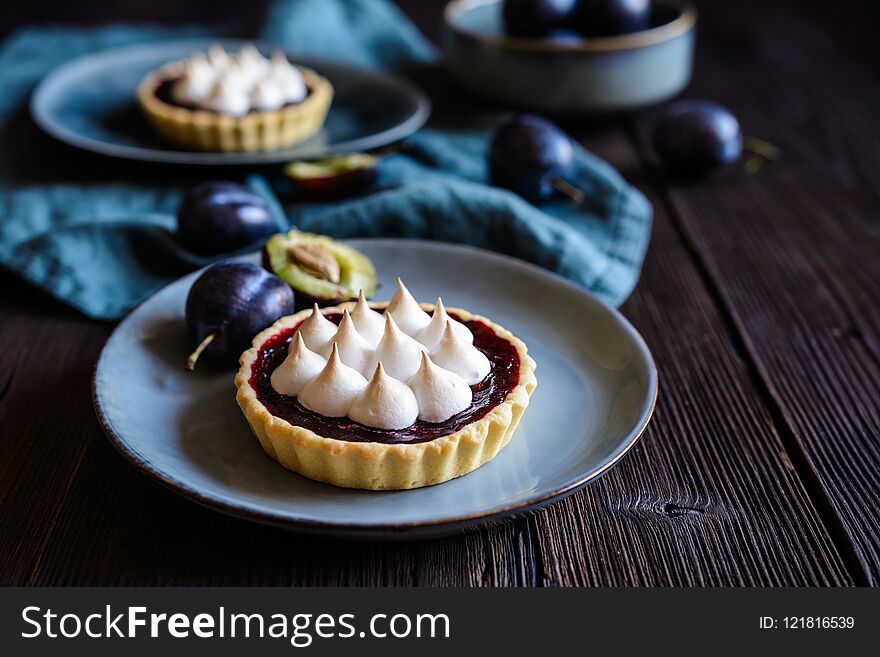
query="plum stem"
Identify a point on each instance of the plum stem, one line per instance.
(761, 148)
(753, 164)
(568, 190)
(193, 358)
(761, 151)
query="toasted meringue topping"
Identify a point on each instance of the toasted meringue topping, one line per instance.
(458, 356)
(301, 366)
(385, 404)
(326, 365)
(398, 352)
(440, 393)
(407, 312)
(334, 390)
(368, 322)
(431, 334)
(317, 330)
(354, 350)
(236, 84)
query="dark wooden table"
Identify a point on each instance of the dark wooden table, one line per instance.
(760, 299)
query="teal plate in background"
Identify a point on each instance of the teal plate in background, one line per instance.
(91, 103)
(597, 386)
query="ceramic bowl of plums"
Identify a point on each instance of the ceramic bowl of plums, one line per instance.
(566, 56)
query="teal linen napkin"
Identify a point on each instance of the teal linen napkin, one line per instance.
(98, 234)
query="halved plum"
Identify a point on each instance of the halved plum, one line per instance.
(320, 269)
(333, 177)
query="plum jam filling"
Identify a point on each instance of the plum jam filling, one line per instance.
(163, 93)
(488, 393)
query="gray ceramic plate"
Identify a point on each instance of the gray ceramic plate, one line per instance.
(596, 389)
(90, 103)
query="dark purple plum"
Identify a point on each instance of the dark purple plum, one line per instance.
(228, 305)
(535, 18)
(530, 156)
(598, 18)
(695, 137)
(220, 217)
(334, 177)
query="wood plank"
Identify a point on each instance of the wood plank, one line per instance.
(683, 509)
(117, 527)
(44, 404)
(108, 525)
(793, 252)
(709, 497)
(139, 534)
(73, 512)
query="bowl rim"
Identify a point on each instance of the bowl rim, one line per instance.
(684, 22)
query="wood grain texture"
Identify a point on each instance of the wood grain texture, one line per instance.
(754, 301)
(45, 371)
(115, 526)
(710, 496)
(793, 252)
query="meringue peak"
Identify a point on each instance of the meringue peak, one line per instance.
(289, 78)
(440, 394)
(432, 333)
(217, 56)
(249, 56)
(459, 356)
(229, 94)
(379, 373)
(386, 403)
(297, 345)
(368, 322)
(267, 94)
(301, 366)
(351, 346)
(397, 351)
(278, 58)
(336, 387)
(406, 311)
(317, 331)
(196, 83)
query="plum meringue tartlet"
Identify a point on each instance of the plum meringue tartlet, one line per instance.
(384, 396)
(244, 101)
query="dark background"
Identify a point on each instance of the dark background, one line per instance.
(759, 299)
(239, 13)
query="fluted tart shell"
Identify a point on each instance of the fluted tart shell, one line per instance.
(384, 466)
(204, 130)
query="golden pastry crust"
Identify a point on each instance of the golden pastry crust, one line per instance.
(202, 130)
(381, 466)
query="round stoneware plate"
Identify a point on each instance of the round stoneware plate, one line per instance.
(596, 389)
(90, 103)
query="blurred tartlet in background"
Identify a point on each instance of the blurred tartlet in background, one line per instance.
(244, 102)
